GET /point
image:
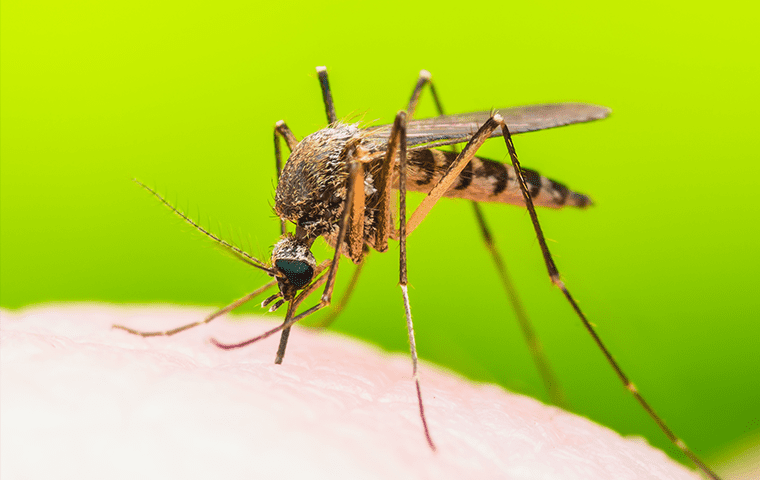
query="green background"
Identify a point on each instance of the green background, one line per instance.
(184, 97)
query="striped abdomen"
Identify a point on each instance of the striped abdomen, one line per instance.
(485, 180)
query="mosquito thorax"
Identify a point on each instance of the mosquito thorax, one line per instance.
(294, 263)
(312, 186)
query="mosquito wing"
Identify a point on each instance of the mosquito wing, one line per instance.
(452, 129)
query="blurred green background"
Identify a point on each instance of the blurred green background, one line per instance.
(184, 97)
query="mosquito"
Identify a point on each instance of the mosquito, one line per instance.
(337, 184)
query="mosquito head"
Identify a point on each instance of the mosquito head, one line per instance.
(293, 263)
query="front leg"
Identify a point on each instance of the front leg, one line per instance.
(282, 130)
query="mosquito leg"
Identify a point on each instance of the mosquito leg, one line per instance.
(284, 336)
(283, 340)
(214, 315)
(399, 131)
(384, 183)
(282, 130)
(555, 278)
(397, 148)
(355, 233)
(327, 95)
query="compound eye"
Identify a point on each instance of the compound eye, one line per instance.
(293, 259)
(298, 273)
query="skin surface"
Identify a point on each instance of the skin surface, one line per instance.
(82, 400)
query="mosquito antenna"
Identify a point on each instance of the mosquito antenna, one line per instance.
(245, 257)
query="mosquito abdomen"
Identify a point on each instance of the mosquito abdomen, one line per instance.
(485, 180)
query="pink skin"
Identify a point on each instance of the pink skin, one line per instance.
(80, 400)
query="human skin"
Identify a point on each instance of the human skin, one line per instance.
(82, 400)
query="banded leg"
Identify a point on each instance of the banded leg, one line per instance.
(555, 278)
(551, 384)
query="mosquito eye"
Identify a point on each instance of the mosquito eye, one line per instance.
(298, 273)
